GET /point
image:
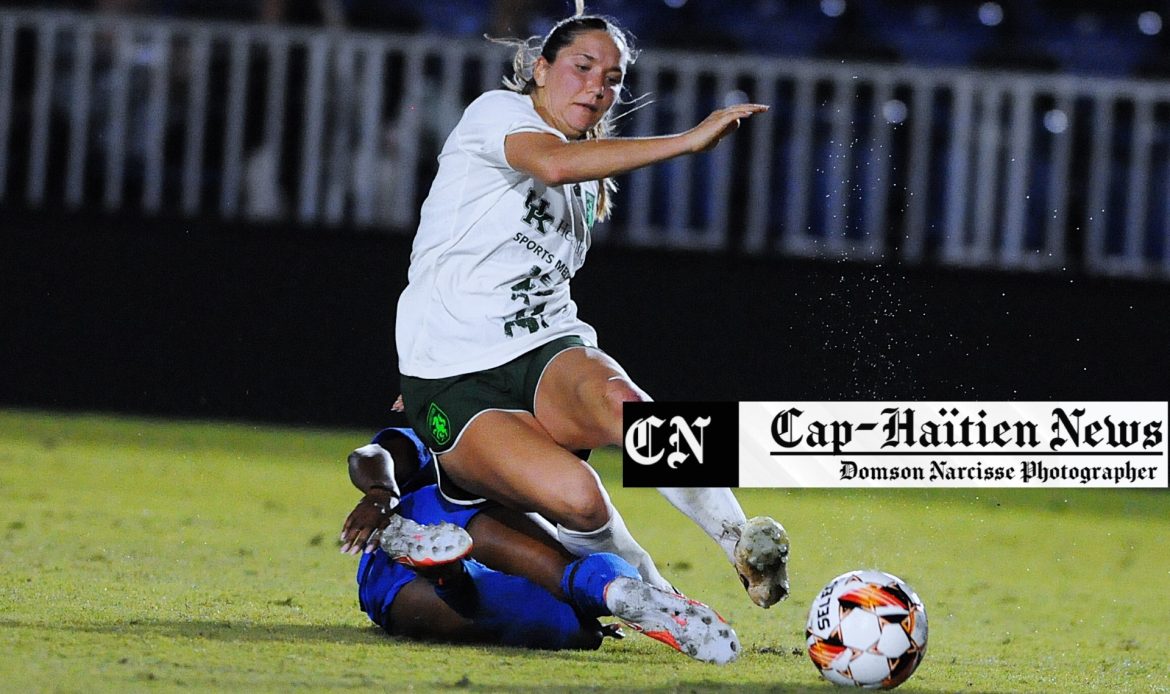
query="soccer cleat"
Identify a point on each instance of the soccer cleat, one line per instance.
(424, 546)
(761, 558)
(685, 625)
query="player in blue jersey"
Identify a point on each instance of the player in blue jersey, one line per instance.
(436, 570)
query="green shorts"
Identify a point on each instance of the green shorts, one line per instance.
(440, 408)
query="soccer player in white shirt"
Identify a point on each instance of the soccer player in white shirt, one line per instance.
(499, 376)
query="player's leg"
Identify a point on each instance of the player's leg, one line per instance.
(485, 611)
(417, 612)
(509, 541)
(477, 604)
(605, 584)
(510, 458)
(579, 398)
(501, 538)
(417, 584)
(498, 537)
(493, 607)
(757, 548)
(512, 542)
(614, 537)
(517, 606)
(506, 456)
(579, 402)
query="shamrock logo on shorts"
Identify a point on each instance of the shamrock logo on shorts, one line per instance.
(439, 424)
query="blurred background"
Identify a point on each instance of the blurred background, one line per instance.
(206, 207)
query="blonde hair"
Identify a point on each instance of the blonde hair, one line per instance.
(529, 50)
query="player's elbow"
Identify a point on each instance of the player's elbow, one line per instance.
(366, 463)
(553, 173)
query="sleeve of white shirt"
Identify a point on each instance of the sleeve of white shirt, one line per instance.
(494, 116)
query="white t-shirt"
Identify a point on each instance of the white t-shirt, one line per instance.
(494, 253)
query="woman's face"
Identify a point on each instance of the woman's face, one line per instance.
(578, 89)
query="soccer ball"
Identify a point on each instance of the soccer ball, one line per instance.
(866, 629)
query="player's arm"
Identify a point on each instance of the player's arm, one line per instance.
(373, 469)
(556, 162)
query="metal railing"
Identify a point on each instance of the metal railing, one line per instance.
(325, 128)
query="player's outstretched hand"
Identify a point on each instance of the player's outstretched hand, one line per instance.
(720, 124)
(364, 526)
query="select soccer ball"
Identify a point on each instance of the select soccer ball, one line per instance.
(866, 629)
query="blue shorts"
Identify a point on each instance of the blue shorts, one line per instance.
(379, 579)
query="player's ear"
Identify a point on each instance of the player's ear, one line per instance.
(540, 71)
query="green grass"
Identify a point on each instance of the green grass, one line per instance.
(142, 554)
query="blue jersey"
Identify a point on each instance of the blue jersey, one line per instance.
(543, 622)
(512, 609)
(379, 579)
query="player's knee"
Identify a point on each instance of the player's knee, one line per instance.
(619, 391)
(584, 507)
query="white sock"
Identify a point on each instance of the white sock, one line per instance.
(542, 523)
(613, 537)
(715, 510)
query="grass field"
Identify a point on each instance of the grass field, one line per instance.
(154, 555)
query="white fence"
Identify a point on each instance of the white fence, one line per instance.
(321, 128)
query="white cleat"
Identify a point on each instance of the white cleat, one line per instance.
(422, 546)
(686, 625)
(761, 558)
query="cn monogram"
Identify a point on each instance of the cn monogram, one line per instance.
(640, 440)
